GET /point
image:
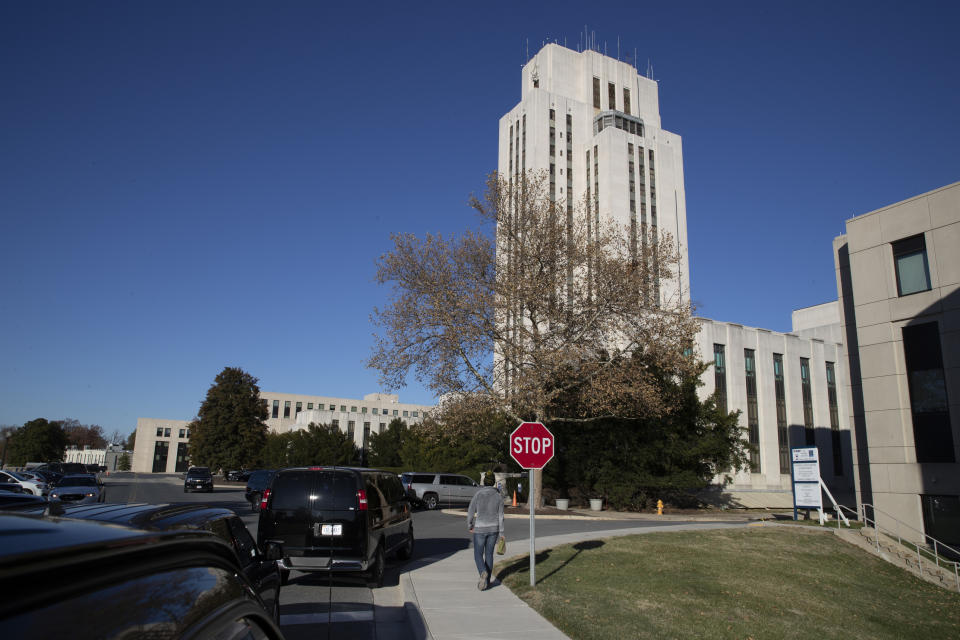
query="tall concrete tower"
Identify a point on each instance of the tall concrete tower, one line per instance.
(593, 122)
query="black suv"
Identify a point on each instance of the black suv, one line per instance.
(198, 479)
(336, 519)
(84, 580)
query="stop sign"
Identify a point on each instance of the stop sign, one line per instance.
(531, 445)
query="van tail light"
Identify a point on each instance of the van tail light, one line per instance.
(361, 500)
(266, 497)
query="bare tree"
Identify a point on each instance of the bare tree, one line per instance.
(558, 314)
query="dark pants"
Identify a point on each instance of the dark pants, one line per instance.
(483, 545)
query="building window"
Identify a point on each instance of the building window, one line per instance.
(353, 409)
(188, 433)
(343, 407)
(808, 430)
(299, 409)
(309, 406)
(363, 409)
(161, 450)
(333, 407)
(626, 100)
(276, 409)
(720, 377)
(383, 425)
(416, 414)
(941, 518)
(406, 414)
(183, 433)
(166, 432)
(753, 419)
(375, 411)
(394, 412)
(286, 409)
(834, 419)
(159, 432)
(929, 405)
(596, 93)
(351, 428)
(336, 423)
(910, 260)
(611, 96)
(783, 432)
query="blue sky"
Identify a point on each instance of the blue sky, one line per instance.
(186, 186)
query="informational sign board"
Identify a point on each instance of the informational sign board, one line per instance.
(805, 464)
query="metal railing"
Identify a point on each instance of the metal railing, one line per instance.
(933, 553)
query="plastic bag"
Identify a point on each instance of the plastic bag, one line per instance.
(501, 546)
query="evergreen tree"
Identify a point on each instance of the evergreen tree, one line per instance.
(230, 431)
(123, 462)
(321, 445)
(37, 441)
(385, 447)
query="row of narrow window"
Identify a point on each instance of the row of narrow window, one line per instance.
(611, 96)
(753, 417)
(275, 412)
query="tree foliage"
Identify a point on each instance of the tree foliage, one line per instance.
(37, 441)
(123, 462)
(229, 431)
(84, 435)
(131, 441)
(555, 302)
(385, 447)
(318, 444)
(631, 463)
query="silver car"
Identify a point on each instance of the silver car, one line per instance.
(433, 490)
(78, 489)
(30, 485)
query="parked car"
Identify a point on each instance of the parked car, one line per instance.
(238, 476)
(259, 568)
(34, 487)
(257, 482)
(439, 489)
(54, 572)
(10, 501)
(48, 476)
(198, 479)
(337, 519)
(81, 489)
(63, 468)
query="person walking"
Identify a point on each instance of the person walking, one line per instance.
(485, 522)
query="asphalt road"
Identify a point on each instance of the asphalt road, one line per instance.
(323, 606)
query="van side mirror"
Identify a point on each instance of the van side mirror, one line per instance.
(274, 550)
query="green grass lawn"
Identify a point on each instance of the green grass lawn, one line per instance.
(756, 582)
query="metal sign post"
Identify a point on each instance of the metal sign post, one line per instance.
(532, 446)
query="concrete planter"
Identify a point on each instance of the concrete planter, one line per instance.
(596, 504)
(562, 503)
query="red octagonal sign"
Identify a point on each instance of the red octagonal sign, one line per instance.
(531, 445)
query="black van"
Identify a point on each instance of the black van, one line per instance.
(336, 519)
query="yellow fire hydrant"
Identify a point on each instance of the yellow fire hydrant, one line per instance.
(659, 507)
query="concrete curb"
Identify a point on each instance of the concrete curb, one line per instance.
(623, 517)
(411, 606)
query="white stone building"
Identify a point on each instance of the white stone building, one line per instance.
(593, 123)
(162, 446)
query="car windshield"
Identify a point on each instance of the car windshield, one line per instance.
(199, 471)
(78, 481)
(18, 476)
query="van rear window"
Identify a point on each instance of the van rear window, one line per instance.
(316, 490)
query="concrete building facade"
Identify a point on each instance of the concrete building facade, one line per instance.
(593, 123)
(162, 446)
(898, 282)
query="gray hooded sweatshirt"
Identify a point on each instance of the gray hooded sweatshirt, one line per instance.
(485, 513)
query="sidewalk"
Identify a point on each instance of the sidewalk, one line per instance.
(443, 602)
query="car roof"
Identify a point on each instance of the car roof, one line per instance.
(150, 517)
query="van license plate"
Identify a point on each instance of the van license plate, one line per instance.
(331, 530)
